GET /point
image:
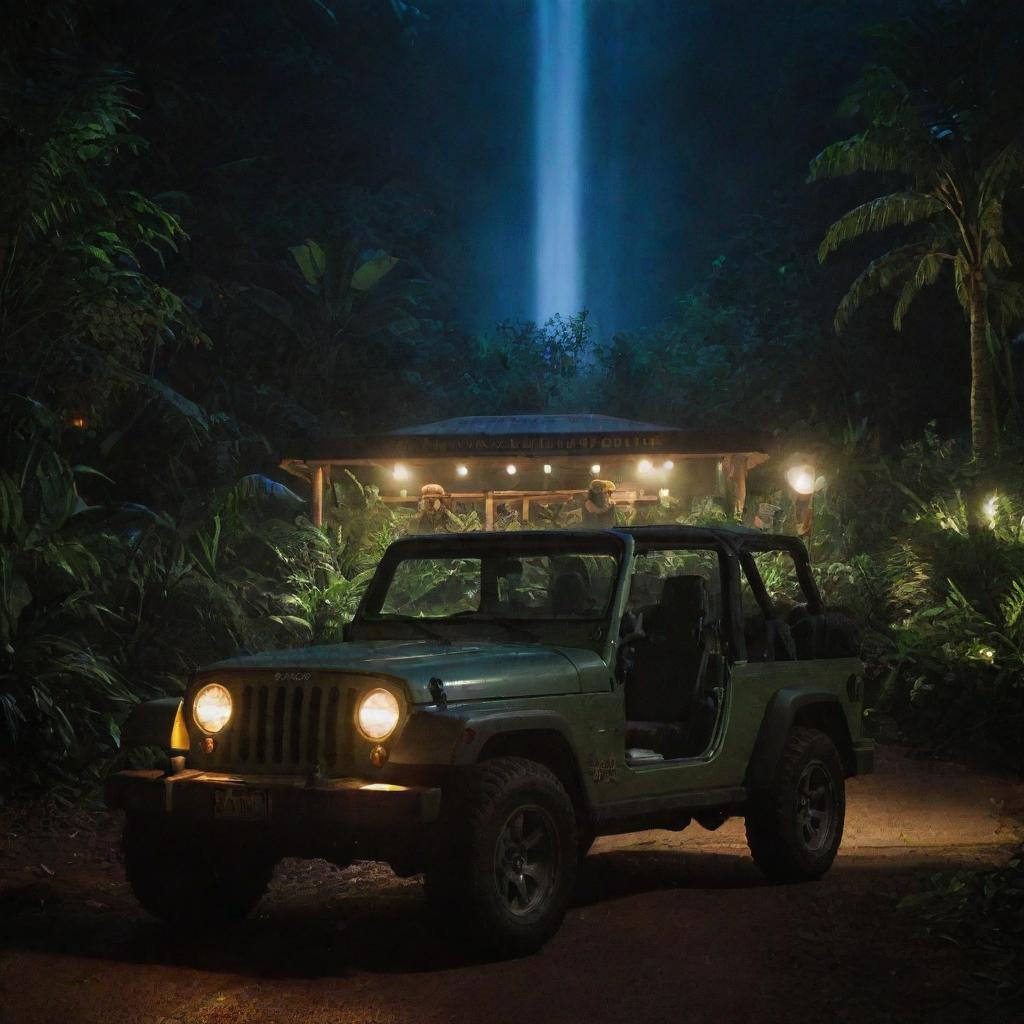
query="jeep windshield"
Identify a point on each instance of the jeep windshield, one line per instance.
(524, 587)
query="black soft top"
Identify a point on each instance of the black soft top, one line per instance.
(735, 538)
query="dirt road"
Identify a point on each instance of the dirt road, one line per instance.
(665, 927)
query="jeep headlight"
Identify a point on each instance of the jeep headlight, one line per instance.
(212, 708)
(378, 714)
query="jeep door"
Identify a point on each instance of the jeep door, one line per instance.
(673, 675)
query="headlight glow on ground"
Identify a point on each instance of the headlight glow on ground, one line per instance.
(378, 714)
(212, 708)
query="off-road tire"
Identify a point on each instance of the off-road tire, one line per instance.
(780, 824)
(184, 881)
(467, 878)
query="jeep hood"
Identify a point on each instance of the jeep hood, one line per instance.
(470, 670)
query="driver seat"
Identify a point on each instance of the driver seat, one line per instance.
(666, 677)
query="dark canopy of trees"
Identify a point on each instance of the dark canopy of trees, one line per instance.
(226, 227)
(167, 165)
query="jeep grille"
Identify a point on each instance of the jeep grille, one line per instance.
(288, 727)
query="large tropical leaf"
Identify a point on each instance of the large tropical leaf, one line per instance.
(1006, 167)
(257, 485)
(311, 260)
(961, 277)
(10, 505)
(867, 152)
(880, 275)
(372, 269)
(897, 209)
(175, 401)
(994, 255)
(925, 273)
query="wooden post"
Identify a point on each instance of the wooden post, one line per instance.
(489, 510)
(526, 510)
(735, 467)
(318, 496)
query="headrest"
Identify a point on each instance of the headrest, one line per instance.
(645, 588)
(684, 597)
(569, 564)
(568, 594)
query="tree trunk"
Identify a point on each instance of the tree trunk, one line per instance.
(983, 395)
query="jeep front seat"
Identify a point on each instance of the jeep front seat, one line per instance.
(666, 677)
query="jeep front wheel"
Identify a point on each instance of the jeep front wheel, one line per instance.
(183, 881)
(794, 827)
(505, 867)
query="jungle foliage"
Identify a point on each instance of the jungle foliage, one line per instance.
(942, 600)
(219, 236)
(980, 909)
(951, 130)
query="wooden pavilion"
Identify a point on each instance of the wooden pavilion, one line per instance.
(520, 461)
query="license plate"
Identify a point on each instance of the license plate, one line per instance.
(241, 804)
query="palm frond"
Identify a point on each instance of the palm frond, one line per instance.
(1000, 173)
(926, 273)
(880, 275)
(990, 228)
(865, 153)
(961, 275)
(1006, 303)
(899, 208)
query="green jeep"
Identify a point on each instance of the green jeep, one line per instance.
(500, 700)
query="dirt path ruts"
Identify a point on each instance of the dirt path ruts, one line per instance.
(665, 927)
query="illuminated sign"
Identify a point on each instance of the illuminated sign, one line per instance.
(536, 443)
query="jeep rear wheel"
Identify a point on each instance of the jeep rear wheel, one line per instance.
(183, 881)
(505, 867)
(794, 828)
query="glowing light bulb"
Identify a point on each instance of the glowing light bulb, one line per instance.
(510, 469)
(595, 468)
(462, 470)
(991, 508)
(547, 468)
(801, 479)
(645, 466)
(668, 464)
(400, 472)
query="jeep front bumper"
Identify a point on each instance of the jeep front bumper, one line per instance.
(284, 812)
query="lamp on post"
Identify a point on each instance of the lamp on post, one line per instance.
(803, 482)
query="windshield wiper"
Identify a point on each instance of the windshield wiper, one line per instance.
(422, 627)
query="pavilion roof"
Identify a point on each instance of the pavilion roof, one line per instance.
(529, 423)
(560, 435)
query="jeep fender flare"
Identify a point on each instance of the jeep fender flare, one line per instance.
(157, 723)
(784, 710)
(544, 736)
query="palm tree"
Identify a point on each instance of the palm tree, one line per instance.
(941, 141)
